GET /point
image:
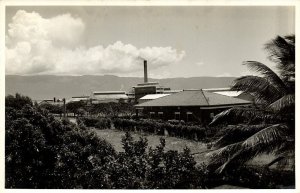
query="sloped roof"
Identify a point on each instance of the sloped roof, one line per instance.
(153, 96)
(194, 98)
(230, 93)
(108, 92)
(77, 99)
(216, 89)
(110, 96)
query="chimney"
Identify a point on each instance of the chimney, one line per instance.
(145, 72)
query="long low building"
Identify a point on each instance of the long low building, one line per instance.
(108, 96)
(188, 105)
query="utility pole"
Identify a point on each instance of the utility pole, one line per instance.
(64, 100)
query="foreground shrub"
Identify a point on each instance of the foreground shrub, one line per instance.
(193, 132)
(142, 167)
(42, 152)
(259, 177)
(99, 123)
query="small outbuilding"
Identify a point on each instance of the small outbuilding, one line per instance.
(188, 105)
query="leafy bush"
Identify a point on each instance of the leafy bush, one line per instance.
(18, 101)
(259, 177)
(42, 152)
(55, 109)
(112, 109)
(139, 167)
(99, 123)
(158, 127)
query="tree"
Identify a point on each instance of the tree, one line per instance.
(76, 107)
(268, 126)
(43, 152)
(55, 109)
(18, 101)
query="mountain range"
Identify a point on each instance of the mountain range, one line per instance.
(40, 87)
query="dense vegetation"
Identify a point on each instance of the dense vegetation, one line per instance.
(43, 152)
(111, 109)
(181, 130)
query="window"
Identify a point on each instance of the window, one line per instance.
(189, 116)
(160, 115)
(177, 115)
(152, 114)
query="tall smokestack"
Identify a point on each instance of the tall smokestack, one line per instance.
(145, 72)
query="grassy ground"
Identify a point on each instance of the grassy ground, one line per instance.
(172, 143)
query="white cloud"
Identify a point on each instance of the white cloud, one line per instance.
(37, 45)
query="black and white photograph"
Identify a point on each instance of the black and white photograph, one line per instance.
(149, 96)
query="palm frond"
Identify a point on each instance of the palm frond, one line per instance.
(282, 50)
(285, 103)
(237, 133)
(268, 74)
(242, 114)
(267, 140)
(267, 136)
(220, 156)
(259, 87)
(283, 160)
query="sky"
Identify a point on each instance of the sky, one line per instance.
(180, 41)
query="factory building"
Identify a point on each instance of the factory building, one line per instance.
(108, 96)
(78, 98)
(188, 105)
(53, 101)
(146, 87)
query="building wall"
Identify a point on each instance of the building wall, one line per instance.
(187, 114)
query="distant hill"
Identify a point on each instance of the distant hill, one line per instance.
(47, 86)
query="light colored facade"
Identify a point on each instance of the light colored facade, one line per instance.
(108, 96)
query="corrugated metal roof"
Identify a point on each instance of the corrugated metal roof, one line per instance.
(108, 92)
(194, 98)
(153, 96)
(230, 93)
(216, 89)
(110, 96)
(77, 99)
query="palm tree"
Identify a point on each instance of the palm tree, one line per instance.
(268, 125)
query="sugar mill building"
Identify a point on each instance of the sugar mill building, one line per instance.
(146, 87)
(188, 105)
(108, 96)
(78, 98)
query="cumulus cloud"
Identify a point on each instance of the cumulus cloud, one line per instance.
(37, 45)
